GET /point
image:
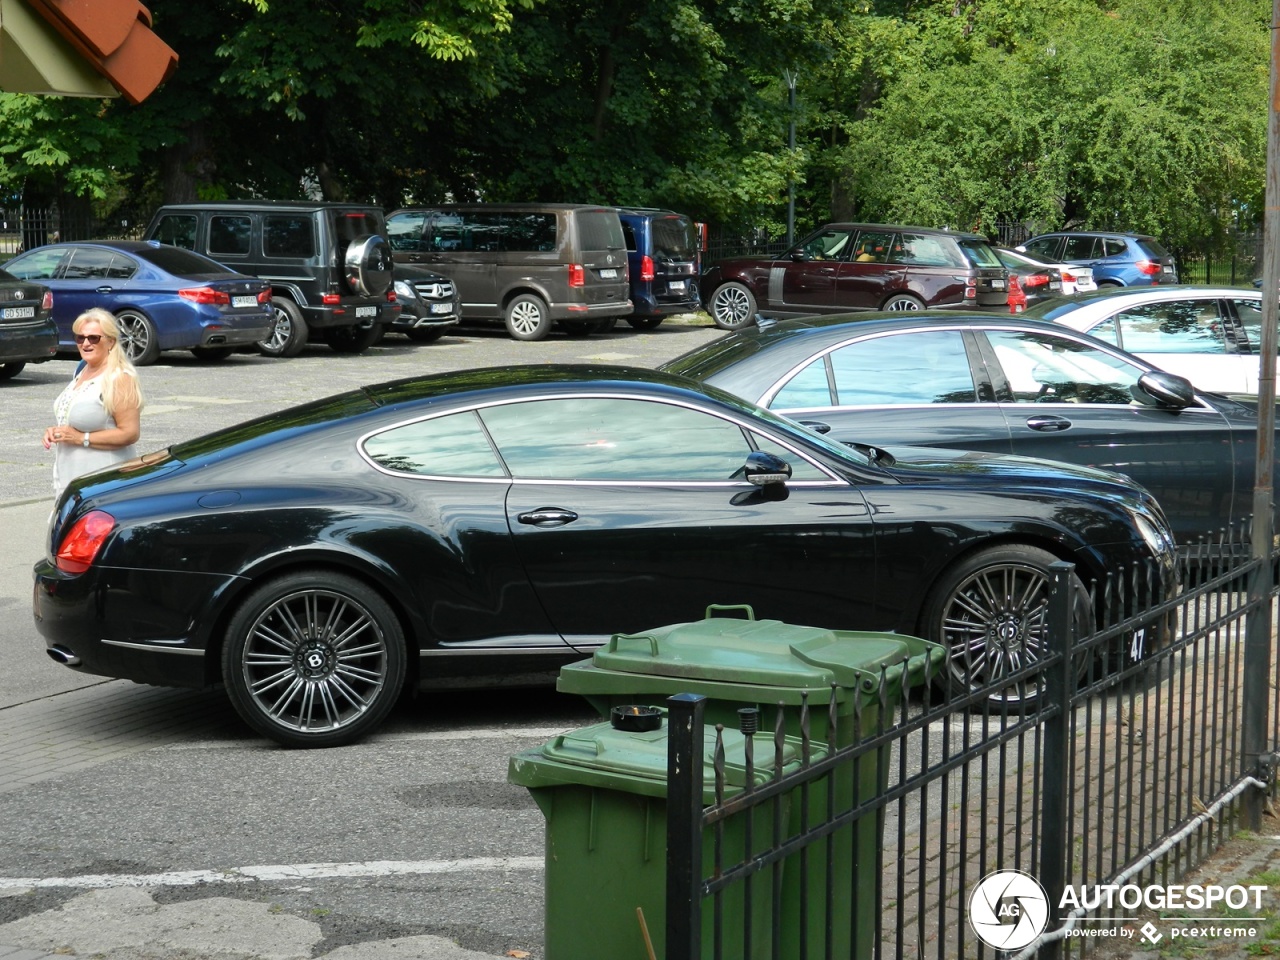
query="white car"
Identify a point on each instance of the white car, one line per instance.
(1075, 278)
(1210, 335)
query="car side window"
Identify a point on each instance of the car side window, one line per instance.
(1250, 314)
(449, 446)
(88, 263)
(1080, 248)
(1045, 246)
(873, 247)
(831, 244)
(912, 368)
(229, 235)
(178, 230)
(925, 251)
(1112, 247)
(808, 388)
(1176, 326)
(531, 233)
(38, 265)
(619, 439)
(288, 237)
(1041, 368)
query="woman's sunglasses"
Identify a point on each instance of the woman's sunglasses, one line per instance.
(89, 338)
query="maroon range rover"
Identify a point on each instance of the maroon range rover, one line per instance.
(858, 266)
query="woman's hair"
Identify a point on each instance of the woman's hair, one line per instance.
(114, 386)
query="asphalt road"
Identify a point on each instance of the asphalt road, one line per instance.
(145, 823)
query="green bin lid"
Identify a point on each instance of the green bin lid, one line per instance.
(636, 762)
(758, 652)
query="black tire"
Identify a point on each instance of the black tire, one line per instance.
(138, 337)
(902, 301)
(579, 328)
(314, 659)
(289, 330)
(353, 339)
(644, 323)
(367, 266)
(425, 334)
(732, 306)
(989, 611)
(10, 370)
(1108, 283)
(528, 317)
(212, 353)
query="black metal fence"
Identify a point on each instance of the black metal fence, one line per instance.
(1125, 770)
(25, 228)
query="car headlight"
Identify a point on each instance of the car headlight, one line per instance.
(1156, 536)
(405, 291)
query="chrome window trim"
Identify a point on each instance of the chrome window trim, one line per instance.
(155, 648)
(832, 479)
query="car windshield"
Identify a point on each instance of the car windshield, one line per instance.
(179, 262)
(673, 238)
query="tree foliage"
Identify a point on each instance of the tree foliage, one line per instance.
(1141, 114)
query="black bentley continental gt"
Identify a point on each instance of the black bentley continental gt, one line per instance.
(507, 521)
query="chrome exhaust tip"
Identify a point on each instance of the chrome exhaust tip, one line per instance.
(62, 655)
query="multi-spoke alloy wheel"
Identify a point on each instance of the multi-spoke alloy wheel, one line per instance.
(314, 659)
(990, 611)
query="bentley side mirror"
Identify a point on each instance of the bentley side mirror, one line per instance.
(764, 469)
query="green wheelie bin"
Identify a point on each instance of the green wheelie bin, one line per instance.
(737, 661)
(603, 793)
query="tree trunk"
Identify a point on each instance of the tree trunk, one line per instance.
(187, 166)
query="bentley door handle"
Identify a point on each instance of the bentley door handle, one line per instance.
(548, 517)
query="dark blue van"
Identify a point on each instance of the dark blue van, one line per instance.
(662, 256)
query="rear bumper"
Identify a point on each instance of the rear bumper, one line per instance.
(28, 343)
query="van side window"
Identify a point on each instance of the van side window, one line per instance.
(529, 232)
(228, 235)
(404, 231)
(482, 232)
(179, 231)
(288, 236)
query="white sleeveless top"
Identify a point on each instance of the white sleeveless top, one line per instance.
(79, 406)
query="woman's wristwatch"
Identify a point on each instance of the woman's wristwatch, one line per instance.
(85, 441)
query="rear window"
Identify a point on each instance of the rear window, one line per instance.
(673, 238)
(179, 262)
(978, 253)
(1154, 248)
(600, 230)
(350, 224)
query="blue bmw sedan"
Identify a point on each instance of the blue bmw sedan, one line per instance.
(163, 297)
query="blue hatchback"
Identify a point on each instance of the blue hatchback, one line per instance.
(163, 297)
(1117, 259)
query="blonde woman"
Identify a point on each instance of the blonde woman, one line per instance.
(97, 415)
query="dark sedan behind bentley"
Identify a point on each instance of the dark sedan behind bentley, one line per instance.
(510, 520)
(1005, 385)
(27, 331)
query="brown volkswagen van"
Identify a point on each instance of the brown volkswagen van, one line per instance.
(529, 265)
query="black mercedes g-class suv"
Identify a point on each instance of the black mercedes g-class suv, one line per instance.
(329, 264)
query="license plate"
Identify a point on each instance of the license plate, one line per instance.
(442, 308)
(1168, 268)
(244, 301)
(1055, 285)
(676, 286)
(608, 274)
(366, 311)
(997, 284)
(17, 313)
